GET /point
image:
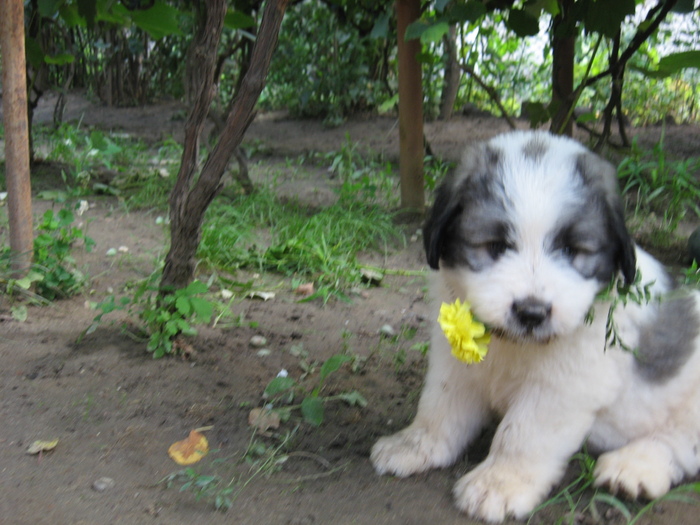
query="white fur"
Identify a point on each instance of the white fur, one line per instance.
(550, 395)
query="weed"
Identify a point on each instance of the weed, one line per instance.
(667, 187)
(222, 490)
(53, 244)
(580, 501)
(283, 390)
(260, 233)
(53, 274)
(165, 316)
(691, 275)
(364, 178)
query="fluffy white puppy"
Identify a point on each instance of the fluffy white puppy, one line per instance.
(529, 230)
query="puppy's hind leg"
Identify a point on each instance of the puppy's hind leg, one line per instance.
(649, 466)
(451, 412)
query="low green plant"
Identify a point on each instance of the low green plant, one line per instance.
(364, 177)
(54, 269)
(620, 293)
(260, 233)
(222, 488)
(655, 183)
(581, 499)
(282, 392)
(691, 275)
(164, 315)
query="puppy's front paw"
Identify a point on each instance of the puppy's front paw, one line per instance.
(635, 470)
(414, 449)
(493, 491)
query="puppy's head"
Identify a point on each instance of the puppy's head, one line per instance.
(529, 229)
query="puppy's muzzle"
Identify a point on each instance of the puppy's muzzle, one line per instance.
(531, 313)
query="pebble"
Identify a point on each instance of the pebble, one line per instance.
(103, 484)
(258, 341)
(387, 330)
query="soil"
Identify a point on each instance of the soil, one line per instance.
(115, 411)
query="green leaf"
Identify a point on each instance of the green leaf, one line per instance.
(469, 12)
(203, 309)
(70, 15)
(440, 5)
(353, 398)
(160, 20)
(523, 23)
(682, 60)
(312, 410)
(195, 287)
(33, 52)
(19, 313)
(684, 7)
(607, 17)
(60, 59)
(238, 20)
(88, 9)
(279, 385)
(332, 364)
(434, 33)
(183, 306)
(416, 29)
(48, 8)
(381, 26)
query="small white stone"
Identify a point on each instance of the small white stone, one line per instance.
(103, 484)
(387, 330)
(258, 341)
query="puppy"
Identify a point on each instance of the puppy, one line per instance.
(529, 230)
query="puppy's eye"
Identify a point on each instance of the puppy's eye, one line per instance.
(568, 251)
(496, 248)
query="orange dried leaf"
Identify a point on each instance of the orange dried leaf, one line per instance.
(189, 450)
(305, 289)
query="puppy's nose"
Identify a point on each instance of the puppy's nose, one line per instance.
(531, 312)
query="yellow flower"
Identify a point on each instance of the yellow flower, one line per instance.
(467, 336)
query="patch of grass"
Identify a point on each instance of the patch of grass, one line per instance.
(221, 487)
(53, 274)
(580, 499)
(261, 233)
(655, 183)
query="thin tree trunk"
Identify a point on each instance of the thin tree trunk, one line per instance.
(563, 53)
(189, 200)
(14, 82)
(410, 110)
(453, 74)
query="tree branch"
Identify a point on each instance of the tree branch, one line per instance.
(490, 91)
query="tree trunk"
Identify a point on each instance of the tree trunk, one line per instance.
(189, 200)
(410, 110)
(14, 82)
(563, 54)
(453, 75)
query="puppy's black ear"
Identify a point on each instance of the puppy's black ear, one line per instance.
(445, 208)
(602, 176)
(625, 257)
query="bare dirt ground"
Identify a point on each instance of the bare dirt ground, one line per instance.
(115, 411)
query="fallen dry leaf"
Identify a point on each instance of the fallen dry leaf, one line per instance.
(189, 450)
(305, 289)
(263, 419)
(42, 446)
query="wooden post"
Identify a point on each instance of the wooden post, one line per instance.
(411, 148)
(14, 103)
